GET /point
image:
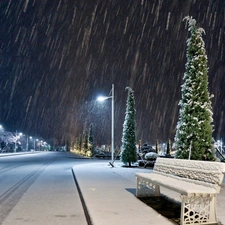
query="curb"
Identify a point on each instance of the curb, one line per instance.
(87, 216)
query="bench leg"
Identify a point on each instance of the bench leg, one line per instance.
(145, 188)
(198, 209)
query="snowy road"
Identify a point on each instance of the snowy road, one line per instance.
(39, 189)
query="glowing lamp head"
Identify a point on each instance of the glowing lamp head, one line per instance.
(102, 98)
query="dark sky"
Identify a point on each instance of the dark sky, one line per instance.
(57, 56)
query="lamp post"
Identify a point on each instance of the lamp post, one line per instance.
(164, 148)
(15, 142)
(31, 138)
(102, 98)
(34, 144)
(27, 144)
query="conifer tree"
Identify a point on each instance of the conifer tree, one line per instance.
(129, 154)
(80, 142)
(91, 138)
(86, 141)
(77, 145)
(169, 147)
(194, 128)
(157, 147)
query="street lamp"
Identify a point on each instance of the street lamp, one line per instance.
(103, 98)
(164, 148)
(36, 143)
(31, 138)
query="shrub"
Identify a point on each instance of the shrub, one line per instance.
(151, 156)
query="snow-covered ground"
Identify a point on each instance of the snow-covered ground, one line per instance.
(110, 195)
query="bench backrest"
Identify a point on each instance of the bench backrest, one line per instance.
(201, 172)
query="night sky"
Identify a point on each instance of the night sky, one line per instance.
(57, 56)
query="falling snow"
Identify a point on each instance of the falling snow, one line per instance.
(57, 56)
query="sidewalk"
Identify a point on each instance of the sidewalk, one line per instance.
(109, 194)
(17, 153)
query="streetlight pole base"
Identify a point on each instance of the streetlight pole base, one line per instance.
(111, 164)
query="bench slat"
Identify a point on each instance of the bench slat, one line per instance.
(178, 185)
(209, 172)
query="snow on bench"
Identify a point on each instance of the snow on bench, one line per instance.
(198, 182)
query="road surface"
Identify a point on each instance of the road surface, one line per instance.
(39, 189)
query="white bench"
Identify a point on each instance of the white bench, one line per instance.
(198, 182)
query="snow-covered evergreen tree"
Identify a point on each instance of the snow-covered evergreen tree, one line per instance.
(7, 140)
(194, 128)
(129, 154)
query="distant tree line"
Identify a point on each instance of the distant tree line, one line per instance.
(84, 144)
